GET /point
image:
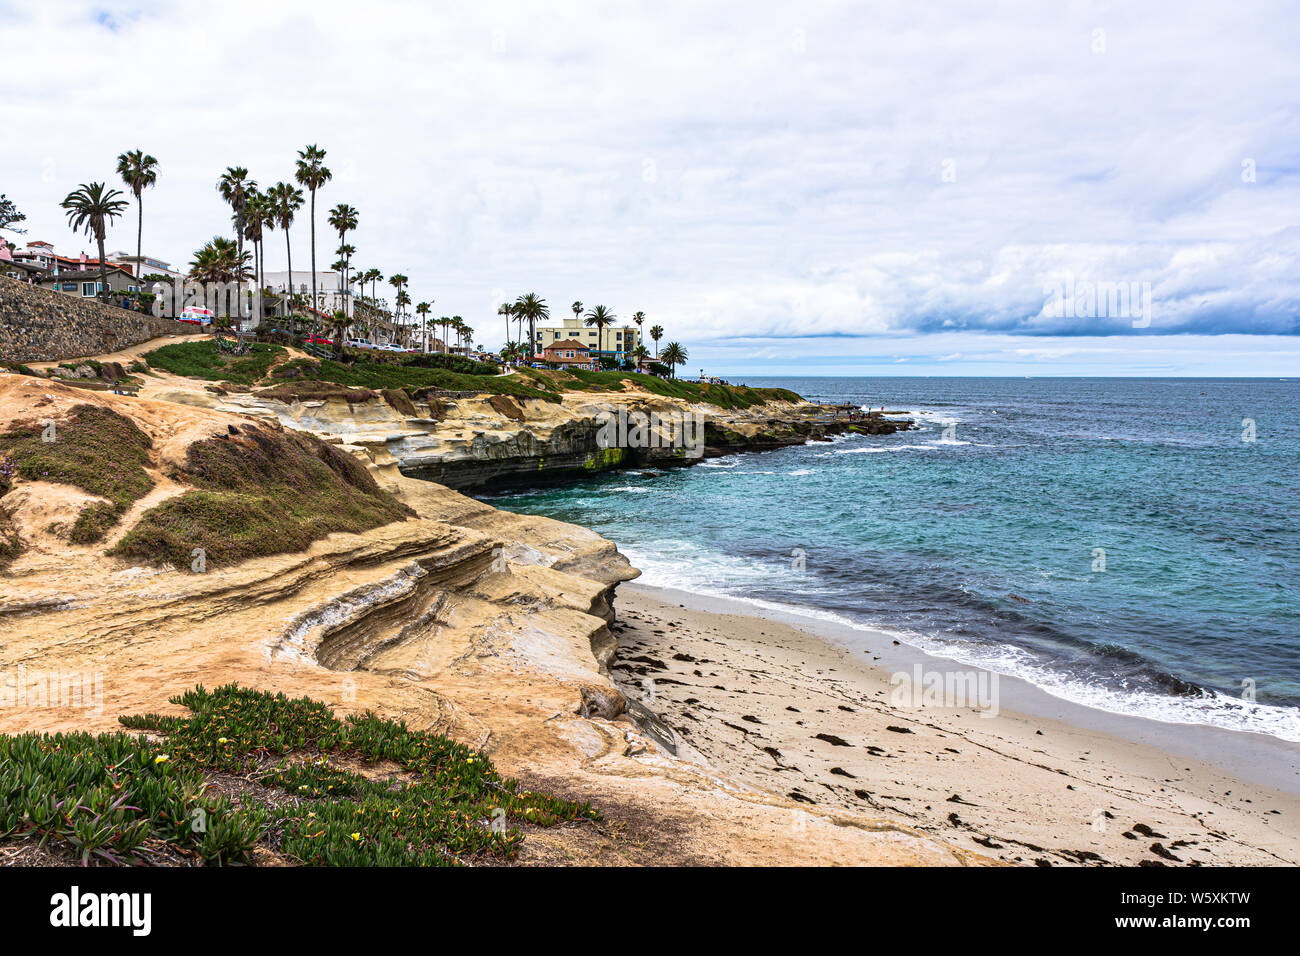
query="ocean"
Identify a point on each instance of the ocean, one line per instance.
(1127, 544)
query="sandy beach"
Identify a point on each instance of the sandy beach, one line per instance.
(791, 711)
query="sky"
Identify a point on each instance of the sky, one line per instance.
(816, 188)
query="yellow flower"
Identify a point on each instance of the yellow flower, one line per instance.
(222, 740)
(161, 758)
(356, 836)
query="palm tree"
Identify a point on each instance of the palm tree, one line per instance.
(341, 321)
(577, 309)
(219, 261)
(638, 318)
(674, 355)
(258, 217)
(458, 326)
(344, 219)
(656, 333)
(534, 309)
(403, 300)
(512, 352)
(312, 173)
(286, 199)
(139, 172)
(235, 187)
(92, 208)
(599, 317)
(398, 281)
(508, 310)
(345, 253)
(422, 310)
(468, 334)
(640, 353)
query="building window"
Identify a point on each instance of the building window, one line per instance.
(88, 290)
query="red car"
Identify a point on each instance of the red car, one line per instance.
(318, 340)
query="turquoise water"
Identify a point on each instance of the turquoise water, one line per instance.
(1115, 541)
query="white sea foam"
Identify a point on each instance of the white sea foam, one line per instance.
(684, 565)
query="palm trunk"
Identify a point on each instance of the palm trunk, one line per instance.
(139, 243)
(288, 251)
(313, 266)
(103, 271)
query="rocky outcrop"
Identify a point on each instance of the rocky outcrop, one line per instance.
(485, 441)
(37, 325)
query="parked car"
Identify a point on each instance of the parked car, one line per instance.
(358, 344)
(318, 340)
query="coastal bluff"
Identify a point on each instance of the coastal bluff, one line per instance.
(38, 325)
(492, 628)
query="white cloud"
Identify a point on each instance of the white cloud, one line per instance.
(759, 169)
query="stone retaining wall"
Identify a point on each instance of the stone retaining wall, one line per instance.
(38, 325)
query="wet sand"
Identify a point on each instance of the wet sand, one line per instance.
(788, 710)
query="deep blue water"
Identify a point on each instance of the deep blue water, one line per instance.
(930, 536)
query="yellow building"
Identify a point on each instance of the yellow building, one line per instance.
(616, 342)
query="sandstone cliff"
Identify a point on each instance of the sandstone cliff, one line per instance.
(488, 626)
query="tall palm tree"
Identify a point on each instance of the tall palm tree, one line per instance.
(399, 282)
(374, 277)
(403, 300)
(577, 309)
(286, 199)
(92, 208)
(656, 333)
(599, 317)
(139, 172)
(257, 218)
(508, 310)
(468, 335)
(534, 309)
(311, 172)
(422, 310)
(640, 353)
(674, 355)
(235, 187)
(458, 326)
(638, 318)
(344, 219)
(345, 253)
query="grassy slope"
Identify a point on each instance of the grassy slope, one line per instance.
(260, 492)
(96, 450)
(201, 360)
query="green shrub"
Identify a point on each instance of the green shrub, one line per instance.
(444, 805)
(453, 363)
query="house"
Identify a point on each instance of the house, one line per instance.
(22, 271)
(567, 354)
(87, 283)
(614, 343)
(42, 255)
(143, 265)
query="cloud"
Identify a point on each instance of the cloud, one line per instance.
(814, 170)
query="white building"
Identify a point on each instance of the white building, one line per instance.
(329, 297)
(145, 266)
